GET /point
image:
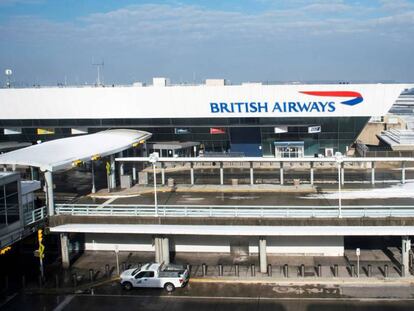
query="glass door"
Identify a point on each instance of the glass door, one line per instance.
(289, 150)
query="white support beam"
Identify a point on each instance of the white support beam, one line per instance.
(405, 251)
(192, 173)
(49, 193)
(112, 176)
(121, 170)
(93, 190)
(311, 173)
(221, 174)
(64, 250)
(162, 250)
(403, 172)
(251, 174)
(162, 174)
(373, 173)
(262, 255)
(238, 230)
(134, 172)
(281, 173)
(165, 250)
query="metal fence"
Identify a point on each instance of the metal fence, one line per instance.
(34, 216)
(374, 211)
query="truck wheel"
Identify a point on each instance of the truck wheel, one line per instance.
(169, 287)
(127, 285)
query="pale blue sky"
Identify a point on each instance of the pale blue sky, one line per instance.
(44, 41)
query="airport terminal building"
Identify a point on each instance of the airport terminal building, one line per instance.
(250, 119)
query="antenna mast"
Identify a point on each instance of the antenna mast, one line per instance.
(98, 68)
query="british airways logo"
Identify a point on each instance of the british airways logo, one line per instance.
(357, 97)
(290, 106)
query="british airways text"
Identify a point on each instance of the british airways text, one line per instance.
(260, 107)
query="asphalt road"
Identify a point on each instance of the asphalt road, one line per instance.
(251, 198)
(172, 303)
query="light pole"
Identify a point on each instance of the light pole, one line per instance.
(339, 159)
(153, 158)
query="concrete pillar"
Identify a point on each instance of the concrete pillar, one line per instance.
(93, 190)
(49, 193)
(281, 173)
(311, 173)
(64, 247)
(373, 173)
(165, 250)
(405, 251)
(121, 165)
(112, 176)
(221, 174)
(121, 170)
(134, 166)
(192, 173)
(162, 250)
(162, 173)
(342, 174)
(158, 250)
(403, 172)
(251, 174)
(134, 172)
(262, 255)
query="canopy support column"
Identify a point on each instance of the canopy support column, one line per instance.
(311, 173)
(49, 193)
(192, 173)
(251, 174)
(281, 173)
(221, 174)
(134, 167)
(162, 173)
(405, 251)
(112, 176)
(93, 177)
(262, 255)
(373, 173)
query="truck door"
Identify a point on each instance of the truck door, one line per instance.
(144, 279)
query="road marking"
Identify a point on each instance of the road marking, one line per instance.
(107, 202)
(249, 298)
(8, 299)
(64, 303)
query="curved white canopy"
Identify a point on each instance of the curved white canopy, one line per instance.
(61, 153)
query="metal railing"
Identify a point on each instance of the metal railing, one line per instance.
(374, 211)
(34, 215)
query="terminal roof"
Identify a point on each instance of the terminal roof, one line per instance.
(61, 153)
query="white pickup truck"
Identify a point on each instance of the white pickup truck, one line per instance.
(155, 275)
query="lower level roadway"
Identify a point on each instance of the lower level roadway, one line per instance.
(173, 303)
